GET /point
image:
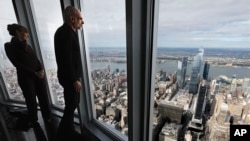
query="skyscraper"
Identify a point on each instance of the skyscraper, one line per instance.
(181, 72)
(206, 71)
(200, 106)
(195, 74)
(233, 84)
(196, 123)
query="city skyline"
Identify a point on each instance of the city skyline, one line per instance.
(193, 87)
(172, 103)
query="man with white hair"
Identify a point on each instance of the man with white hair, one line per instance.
(67, 51)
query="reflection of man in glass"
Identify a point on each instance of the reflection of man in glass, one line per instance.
(30, 72)
(68, 60)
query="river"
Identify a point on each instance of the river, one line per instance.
(171, 67)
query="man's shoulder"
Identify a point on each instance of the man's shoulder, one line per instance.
(59, 29)
(63, 27)
(62, 30)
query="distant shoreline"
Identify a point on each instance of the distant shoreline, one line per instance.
(214, 65)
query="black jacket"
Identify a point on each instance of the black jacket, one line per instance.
(67, 53)
(22, 57)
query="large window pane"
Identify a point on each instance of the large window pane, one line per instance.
(48, 18)
(202, 79)
(105, 39)
(8, 71)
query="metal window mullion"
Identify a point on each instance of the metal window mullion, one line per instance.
(141, 46)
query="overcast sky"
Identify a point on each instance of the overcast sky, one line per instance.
(182, 23)
(208, 23)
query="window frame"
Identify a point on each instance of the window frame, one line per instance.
(141, 17)
(142, 22)
(141, 36)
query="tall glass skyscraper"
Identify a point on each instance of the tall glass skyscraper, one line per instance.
(206, 71)
(195, 74)
(181, 72)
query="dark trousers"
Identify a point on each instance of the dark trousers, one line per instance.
(33, 87)
(71, 98)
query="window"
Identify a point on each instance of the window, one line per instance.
(202, 65)
(48, 18)
(106, 42)
(8, 71)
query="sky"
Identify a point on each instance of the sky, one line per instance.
(207, 23)
(182, 23)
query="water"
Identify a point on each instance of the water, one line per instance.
(171, 67)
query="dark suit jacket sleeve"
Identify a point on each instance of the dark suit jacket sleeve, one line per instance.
(11, 53)
(67, 58)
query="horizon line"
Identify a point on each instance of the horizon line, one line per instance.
(183, 47)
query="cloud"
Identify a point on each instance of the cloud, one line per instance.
(105, 22)
(185, 23)
(206, 22)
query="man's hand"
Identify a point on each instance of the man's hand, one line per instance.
(78, 86)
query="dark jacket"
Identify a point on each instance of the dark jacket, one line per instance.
(67, 53)
(22, 57)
